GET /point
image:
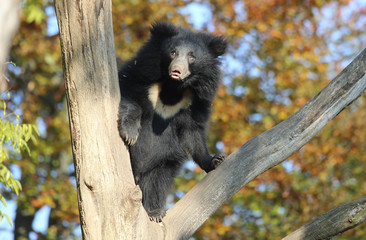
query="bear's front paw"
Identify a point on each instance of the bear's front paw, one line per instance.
(217, 160)
(128, 133)
(156, 215)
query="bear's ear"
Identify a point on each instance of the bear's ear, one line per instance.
(163, 30)
(217, 45)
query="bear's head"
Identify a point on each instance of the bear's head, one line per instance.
(187, 56)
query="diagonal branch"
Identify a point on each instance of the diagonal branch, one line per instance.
(332, 223)
(265, 151)
(109, 202)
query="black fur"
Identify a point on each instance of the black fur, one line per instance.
(174, 67)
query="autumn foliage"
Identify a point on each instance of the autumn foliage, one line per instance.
(282, 53)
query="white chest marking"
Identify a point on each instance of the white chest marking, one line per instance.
(167, 111)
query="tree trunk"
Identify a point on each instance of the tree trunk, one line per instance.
(23, 222)
(9, 23)
(109, 202)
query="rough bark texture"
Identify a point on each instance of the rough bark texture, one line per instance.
(332, 223)
(109, 202)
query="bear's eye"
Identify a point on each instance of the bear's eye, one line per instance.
(191, 59)
(173, 53)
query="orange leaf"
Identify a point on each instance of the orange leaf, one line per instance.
(275, 33)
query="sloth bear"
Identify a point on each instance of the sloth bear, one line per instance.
(166, 94)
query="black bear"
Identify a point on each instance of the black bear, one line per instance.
(166, 94)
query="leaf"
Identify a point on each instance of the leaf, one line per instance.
(35, 14)
(275, 34)
(2, 199)
(9, 220)
(16, 186)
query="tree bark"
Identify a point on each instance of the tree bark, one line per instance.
(332, 223)
(23, 222)
(9, 23)
(109, 202)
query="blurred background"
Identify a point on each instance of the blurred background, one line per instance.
(281, 54)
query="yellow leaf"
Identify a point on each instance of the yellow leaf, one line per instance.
(262, 27)
(321, 67)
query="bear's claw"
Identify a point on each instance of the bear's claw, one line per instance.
(129, 134)
(157, 215)
(217, 160)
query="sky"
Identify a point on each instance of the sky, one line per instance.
(200, 15)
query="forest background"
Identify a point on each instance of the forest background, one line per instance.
(281, 54)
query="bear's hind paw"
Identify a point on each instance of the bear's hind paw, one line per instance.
(157, 215)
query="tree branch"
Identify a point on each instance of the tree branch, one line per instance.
(109, 202)
(265, 151)
(332, 223)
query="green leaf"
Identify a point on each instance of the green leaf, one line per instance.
(9, 220)
(35, 14)
(2, 199)
(7, 175)
(16, 186)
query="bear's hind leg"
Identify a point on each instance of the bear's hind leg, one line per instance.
(155, 186)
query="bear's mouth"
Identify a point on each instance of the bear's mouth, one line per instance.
(176, 74)
(178, 71)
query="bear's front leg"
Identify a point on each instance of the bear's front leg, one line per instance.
(206, 161)
(194, 143)
(129, 120)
